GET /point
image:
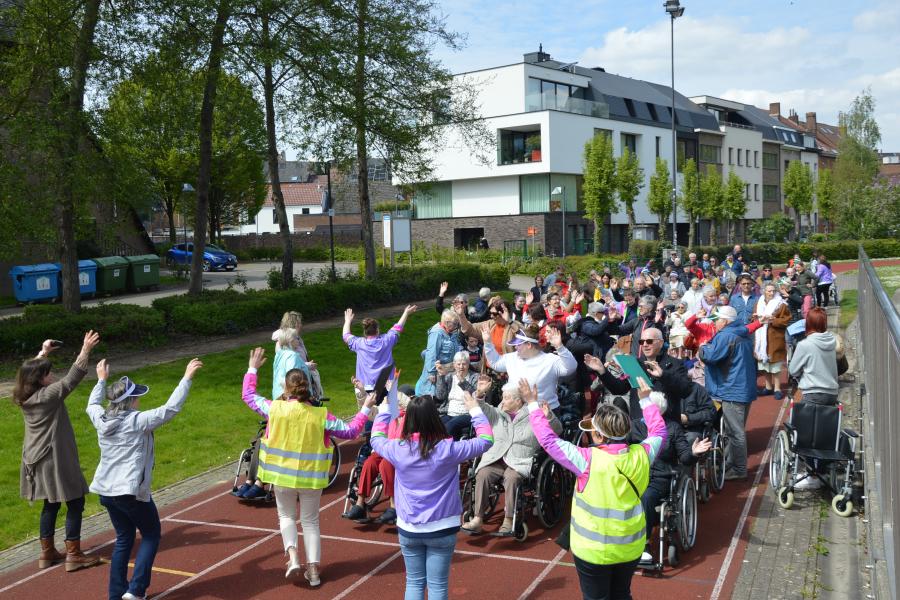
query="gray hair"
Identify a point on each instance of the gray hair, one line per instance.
(708, 289)
(648, 300)
(484, 293)
(594, 307)
(659, 399)
(113, 391)
(462, 355)
(461, 298)
(449, 316)
(511, 389)
(287, 336)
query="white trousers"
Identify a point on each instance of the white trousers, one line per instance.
(286, 499)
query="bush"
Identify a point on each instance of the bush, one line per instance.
(121, 325)
(221, 312)
(780, 253)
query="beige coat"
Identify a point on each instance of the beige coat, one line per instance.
(50, 468)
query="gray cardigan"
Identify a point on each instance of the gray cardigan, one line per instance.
(514, 440)
(442, 386)
(126, 443)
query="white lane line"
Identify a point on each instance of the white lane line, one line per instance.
(193, 506)
(542, 574)
(368, 576)
(216, 566)
(732, 548)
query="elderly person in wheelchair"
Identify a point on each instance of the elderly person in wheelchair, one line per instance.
(451, 385)
(675, 451)
(509, 459)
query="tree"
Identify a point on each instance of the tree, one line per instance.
(734, 205)
(690, 199)
(825, 197)
(659, 200)
(775, 228)
(382, 91)
(599, 186)
(712, 194)
(629, 181)
(798, 190)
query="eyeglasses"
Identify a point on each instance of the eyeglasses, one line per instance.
(648, 341)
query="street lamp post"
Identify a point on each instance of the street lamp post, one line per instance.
(675, 10)
(562, 208)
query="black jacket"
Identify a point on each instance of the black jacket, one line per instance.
(591, 331)
(674, 452)
(674, 383)
(635, 328)
(699, 408)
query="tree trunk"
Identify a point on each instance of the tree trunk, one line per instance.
(81, 57)
(169, 203)
(598, 236)
(284, 229)
(359, 97)
(631, 221)
(713, 232)
(732, 231)
(662, 227)
(207, 114)
(691, 221)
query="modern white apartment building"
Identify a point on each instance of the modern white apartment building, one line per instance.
(542, 112)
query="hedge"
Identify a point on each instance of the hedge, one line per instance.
(228, 311)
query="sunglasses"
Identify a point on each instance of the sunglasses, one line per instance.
(648, 341)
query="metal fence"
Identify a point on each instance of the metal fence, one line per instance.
(879, 335)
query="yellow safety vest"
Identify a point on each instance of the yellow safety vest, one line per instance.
(294, 454)
(608, 524)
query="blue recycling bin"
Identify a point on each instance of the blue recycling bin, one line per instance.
(33, 283)
(87, 277)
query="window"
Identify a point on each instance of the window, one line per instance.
(629, 141)
(770, 193)
(730, 156)
(606, 132)
(756, 192)
(710, 154)
(378, 172)
(746, 191)
(518, 147)
(552, 95)
(658, 142)
(629, 105)
(652, 108)
(435, 201)
(251, 219)
(305, 211)
(739, 157)
(770, 160)
(680, 147)
(756, 158)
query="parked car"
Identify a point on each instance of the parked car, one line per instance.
(214, 258)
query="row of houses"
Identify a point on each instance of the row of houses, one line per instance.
(542, 112)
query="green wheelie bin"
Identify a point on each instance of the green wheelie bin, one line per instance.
(143, 272)
(112, 274)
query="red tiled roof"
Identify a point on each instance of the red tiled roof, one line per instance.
(828, 137)
(299, 194)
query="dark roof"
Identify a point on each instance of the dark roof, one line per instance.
(640, 101)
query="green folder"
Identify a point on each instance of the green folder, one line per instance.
(631, 367)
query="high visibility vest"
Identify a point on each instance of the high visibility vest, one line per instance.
(294, 454)
(608, 524)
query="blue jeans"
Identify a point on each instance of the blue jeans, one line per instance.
(457, 426)
(128, 514)
(427, 561)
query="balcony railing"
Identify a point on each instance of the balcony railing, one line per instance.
(578, 106)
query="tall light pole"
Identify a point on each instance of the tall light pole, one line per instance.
(675, 10)
(562, 206)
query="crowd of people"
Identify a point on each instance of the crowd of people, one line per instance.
(496, 386)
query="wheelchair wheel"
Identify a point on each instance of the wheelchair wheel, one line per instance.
(468, 498)
(785, 498)
(701, 478)
(241, 473)
(521, 533)
(778, 461)
(672, 555)
(842, 506)
(551, 494)
(687, 514)
(335, 468)
(717, 463)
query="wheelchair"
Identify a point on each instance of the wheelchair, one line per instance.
(678, 519)
(709, 472)
(374, 496)
(814, 438)
(542, 493)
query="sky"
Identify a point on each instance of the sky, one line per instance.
(809, 55)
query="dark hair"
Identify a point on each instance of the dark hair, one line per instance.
(816, 320)
(422, 418)
(28, 379)
(296, 385)
(536, 312)
(370, 327)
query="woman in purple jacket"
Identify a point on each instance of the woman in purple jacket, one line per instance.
(426, 488)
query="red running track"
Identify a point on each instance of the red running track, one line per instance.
(214, 547)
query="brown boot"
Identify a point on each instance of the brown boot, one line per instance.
(49, 555)
(76, 559)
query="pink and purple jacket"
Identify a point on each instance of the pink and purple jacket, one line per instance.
(333, 426)
(577, 459)
(426, 491)
(373, 353)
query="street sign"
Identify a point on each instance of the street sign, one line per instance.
(386, 230)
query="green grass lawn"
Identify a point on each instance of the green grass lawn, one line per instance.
(890, 279)
(214, 425)
(7, 302)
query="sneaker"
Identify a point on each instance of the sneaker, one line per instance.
(254, 492)
(130, 596)
(762, 391)
(506, 528)
(810, 483)
(356, 513)
(242, 490)
(293, 568)
(735, 477)
(312, 574)
(779, 395)
(388, 517)
(646, 558)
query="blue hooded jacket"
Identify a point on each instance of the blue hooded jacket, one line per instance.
(730, 365)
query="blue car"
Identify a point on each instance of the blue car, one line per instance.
(214, 258)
